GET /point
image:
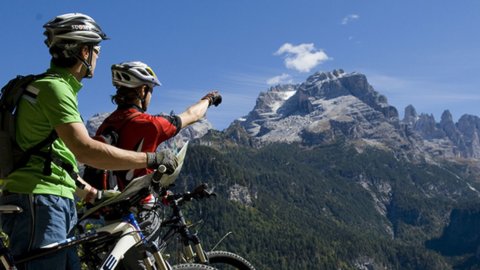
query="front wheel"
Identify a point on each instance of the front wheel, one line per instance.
(192, 266)
(228, 260)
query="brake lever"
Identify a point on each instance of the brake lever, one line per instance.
(203, 191)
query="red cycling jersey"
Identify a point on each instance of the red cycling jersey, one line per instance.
(141, 133)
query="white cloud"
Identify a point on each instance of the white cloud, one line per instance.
(280, 79)
(350, 18)
(302, 57)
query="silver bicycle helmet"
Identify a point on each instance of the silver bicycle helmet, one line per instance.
(133, 74)
(69, 31)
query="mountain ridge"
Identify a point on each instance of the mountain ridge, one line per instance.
(334, 105)
(329, 105)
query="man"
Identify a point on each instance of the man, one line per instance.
(143, 132)
(45, 186)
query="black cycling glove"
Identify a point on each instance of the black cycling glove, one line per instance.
(163, 157)
(214, 98)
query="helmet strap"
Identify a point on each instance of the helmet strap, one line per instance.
(144, 103)
(87, 63)
(142, 100)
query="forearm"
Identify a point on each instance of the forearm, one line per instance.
(194, 113)
(98, 154)
(104, 156)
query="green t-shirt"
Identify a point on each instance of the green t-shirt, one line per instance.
(55, 104)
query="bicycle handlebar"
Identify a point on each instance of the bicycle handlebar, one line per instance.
(157, 175)
(135, 191)
(200, 192)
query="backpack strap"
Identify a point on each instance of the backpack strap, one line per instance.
(49, 157)
(35, 150)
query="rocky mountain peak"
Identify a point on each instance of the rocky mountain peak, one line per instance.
(325, 76)
(337, 83)
(328, 105)
(426, 126)
(336, 104)
(446, 117)
(410, 116)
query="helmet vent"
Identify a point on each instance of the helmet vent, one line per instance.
(126, 77)
(143, 72)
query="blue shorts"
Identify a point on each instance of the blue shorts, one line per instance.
(45, 219)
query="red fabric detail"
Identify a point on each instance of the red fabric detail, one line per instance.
(147, 199)
(152, 129)
(104, 180)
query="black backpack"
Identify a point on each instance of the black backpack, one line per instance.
(11, 155)
(106, 179)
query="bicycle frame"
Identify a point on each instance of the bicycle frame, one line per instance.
(177, 224)
(131, 233)
(126, 230)
(192, 250)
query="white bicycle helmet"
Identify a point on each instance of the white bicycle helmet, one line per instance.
(70, 30)
(133, 74)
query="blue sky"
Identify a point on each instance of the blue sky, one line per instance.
(424, 53)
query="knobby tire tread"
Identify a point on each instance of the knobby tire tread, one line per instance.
(192, 266)
(225, 257)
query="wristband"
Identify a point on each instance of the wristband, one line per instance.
(99, 194)
(209, 99)
(151, 159)
(79, 184)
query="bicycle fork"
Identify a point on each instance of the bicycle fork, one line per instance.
(197, 251)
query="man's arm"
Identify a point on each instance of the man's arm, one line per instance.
(98, 154)
(198, 110)
(194, 113)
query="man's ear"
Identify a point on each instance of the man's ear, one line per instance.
(143, 89)
(85, 52)
(140, 90)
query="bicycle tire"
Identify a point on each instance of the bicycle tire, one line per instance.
(219, 258)
(192, 266)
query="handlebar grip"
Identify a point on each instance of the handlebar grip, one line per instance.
(157, 175)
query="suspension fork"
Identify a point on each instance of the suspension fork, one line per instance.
(188, 237)
(197, 249)
(157, 255)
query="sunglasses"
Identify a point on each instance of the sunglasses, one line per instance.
(96, 49)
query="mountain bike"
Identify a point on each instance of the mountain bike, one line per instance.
(95, 254)
(105, 252)
(121, 234)
(125, 233)
(192, 250)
